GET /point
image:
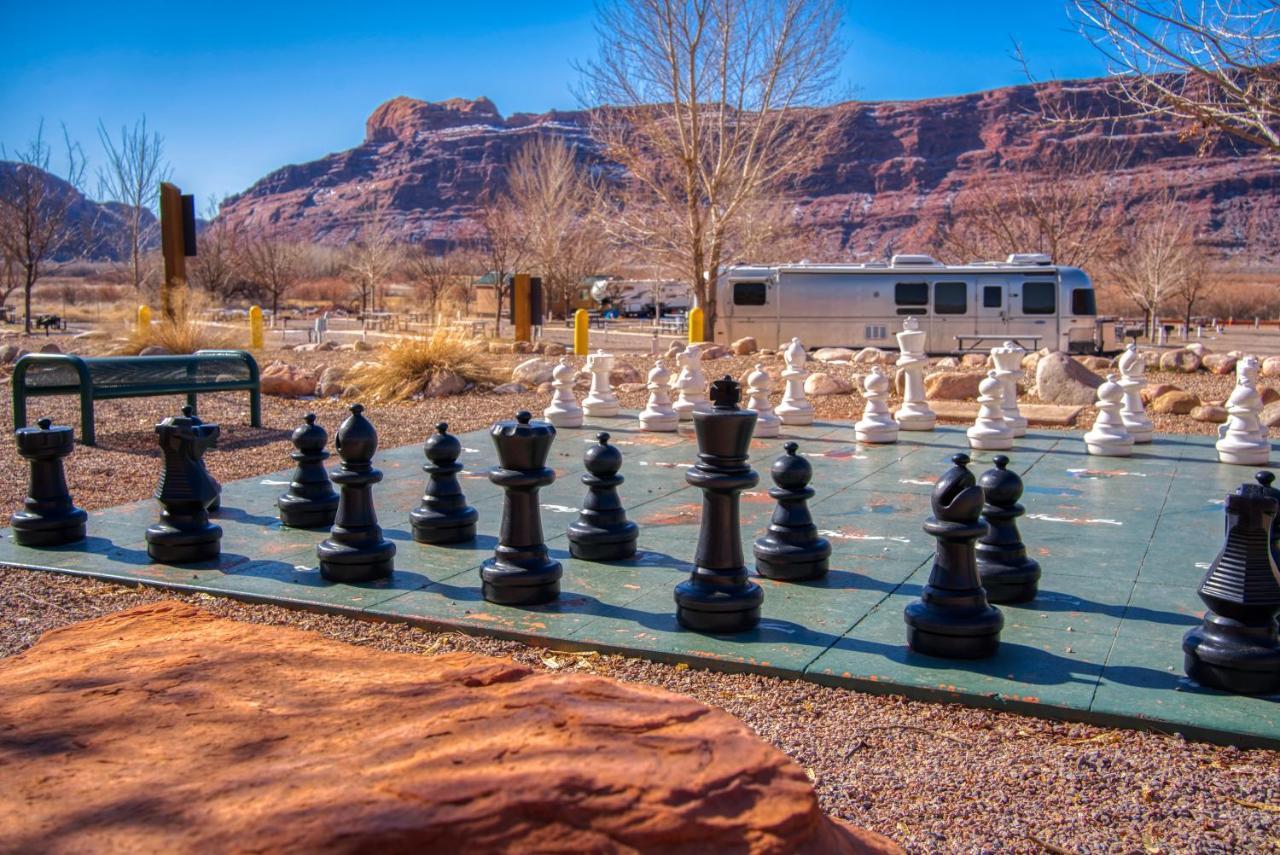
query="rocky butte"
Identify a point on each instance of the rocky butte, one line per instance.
(879, 182)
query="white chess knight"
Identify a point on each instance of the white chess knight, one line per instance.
(564, 411)
(658, 414)
(1243, 439)
(1133, 376)
(759, 385)
(990, 431)
(691, 384)
(1008, 360)
(914, 414)
(876, 425)
(600, 401)
(795, 409)
(1109, 437)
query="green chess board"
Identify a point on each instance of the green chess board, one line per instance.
(1123, 543)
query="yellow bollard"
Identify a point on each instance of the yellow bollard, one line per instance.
(581, 332)
(695, 325)
(144, 317)
(255, 328)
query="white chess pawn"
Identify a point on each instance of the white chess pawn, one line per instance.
(1008, 360)
(1109, 437)
(877, 424)
(1133, 370)
(795, 409)
(1243, 439)
(564, 411)
(658, 414)
(759, 385)
(600, 401)
(914, 414)
(990, 431)
(691, 384)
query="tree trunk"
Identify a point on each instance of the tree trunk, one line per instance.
(26, 312)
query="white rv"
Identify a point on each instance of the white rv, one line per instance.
(1026, 298)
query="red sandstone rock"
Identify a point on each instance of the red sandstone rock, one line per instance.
(166, 729)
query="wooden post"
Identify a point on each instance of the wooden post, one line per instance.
(696, 333)
(581, 332)
(522, 307)
(172, 244)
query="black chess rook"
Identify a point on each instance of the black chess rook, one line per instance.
(791, 550)
(602, 531)
(1003, 566)
(355, 550)
(310, 501)
(48, 517)
(184, 534)
(521, 571)
(444, 516)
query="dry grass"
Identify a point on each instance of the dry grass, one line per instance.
(405, 368)
(185, 332)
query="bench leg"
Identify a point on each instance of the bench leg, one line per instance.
(87, 433)
(255, 408)
(19, 406)
(191, 402)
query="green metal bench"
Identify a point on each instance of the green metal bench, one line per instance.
(107, 377)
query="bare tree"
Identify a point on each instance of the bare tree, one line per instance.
(35, 207)
(214, 268)
(134, 169)
(502, 245)
(1213, 65)
(436, 275)
(703, 103)
(10, 272)
(271, 266)
(371, 258)
(1156, 252)
(1193, 286)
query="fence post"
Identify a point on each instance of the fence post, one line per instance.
(696, 332)
(255, 328)
(144, 317)
(581, 332)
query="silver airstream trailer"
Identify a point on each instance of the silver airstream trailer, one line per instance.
(969, 306)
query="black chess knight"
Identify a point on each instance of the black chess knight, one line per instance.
(444, 515)
(1006, 572)
(216, 505)
(791, 549)
(311, 501)
(48, 517)
(718, 597)
(602, 531)
(355, 550)
(184, 534)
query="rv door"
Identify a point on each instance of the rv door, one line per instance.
(753, 311)
(993, 306)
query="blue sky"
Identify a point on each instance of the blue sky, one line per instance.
(239, 89)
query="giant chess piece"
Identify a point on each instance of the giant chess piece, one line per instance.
(990, 431)
(1236, 648)
(600, 401)
(311, 501)
(48, 517)
(1008, 361)
(355, 550)
(691, 384)
(1243, 439)
(719, 597)
(952, 618)
(184, 534)
(1247, 367)
(791, 550)
(795, 409)
(602, 531)
(1109, 437)
(1133, 370)
(1006, 572)
(759, 386)
(914, 414)
(444, 515)
(521, 573)
(216, 505)
(564, 411)
(877, 424)
(1266, 479)
(658, 415)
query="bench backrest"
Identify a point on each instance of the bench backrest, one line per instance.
(208, 368)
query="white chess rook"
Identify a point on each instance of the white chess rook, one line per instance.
(564, 411)
(1243, 439)
(759, 386)
(1109, 437)
(877, 424)
(600, 401)
(914, 414)
(1133, 370)
(795, 409)
(1008, 360)
(658, 414)
(990, 431)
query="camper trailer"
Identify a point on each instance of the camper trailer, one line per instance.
(1026, 298)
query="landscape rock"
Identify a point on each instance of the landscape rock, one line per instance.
(10, 353)
(1270, 415)
(952, 385)
(509, 389)
(1177, 403)
(500, 347)
(1271, 366)
(744, 346)
(975, 360)
(1029, 363)
(288, 381)
(714, 351)
(1150, 393)
(674, 348)
(531, 372)
(869, 356)
(630, 387)
(522, 347)
(820, 383)
(1268, 394)
(1220, 363)
(1097, 363)
(1209, 413)
(445, 382)
(1062, 380)
(624, 372)
(947, 362)
(330, 384)
(553, 348)
(1198, 349)
(832, 354)
(546, 388)
(1185, 361)
(362, 345)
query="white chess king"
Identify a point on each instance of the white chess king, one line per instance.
(1008, 361)
(914, 414)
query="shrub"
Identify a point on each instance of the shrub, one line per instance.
(185, 332)
(405, 368)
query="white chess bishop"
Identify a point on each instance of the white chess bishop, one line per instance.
(691, 384)
(564, 411)
(1243, 439)
(600, 401)
(877, 424)
(1133, 376)
(658, 414)
(795, 409)
(990, 431)
(759, 385)
(914, 414)
(1109, 437)
(1008, 361)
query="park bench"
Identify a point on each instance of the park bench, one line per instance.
(103, 378)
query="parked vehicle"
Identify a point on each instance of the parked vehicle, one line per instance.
(962, 307)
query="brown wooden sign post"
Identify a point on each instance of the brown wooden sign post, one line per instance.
(177, 241)
(522, 306)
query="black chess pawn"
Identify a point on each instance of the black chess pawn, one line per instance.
(952, 618)
(521, 572)
(602, 531)
(48, 517)
(1003, 566)
(718, 597)
(791, 550)
(1236, 647)
(311, 501)
(444, 515)
(355, 550)
(216, 505)
(184, 534)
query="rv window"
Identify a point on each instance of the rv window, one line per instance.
(993, 297)
(1038, 298)
(1083, 303)
(950, 298)
(911, 294)
(750, 293)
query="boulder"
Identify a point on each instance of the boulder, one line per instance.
(288, 381)
(1062, 380)
(1268, 394)
(1198, 349)
(509, 389)
(714, 351)
(1220, 363)
(1209, 413)
(522, 347)
(546, 388)
(674, 348)
(1184, 361)
(500, 347)
(869, 356)
(744, 346)
(156, 731)
(1150, 393)
(947, 362)
(330, 384)
(952, 385)
(631, 387)
(1177, 403)
(1097, 363)
(50, 347)
(624, 373)
(445, 382)
(155, 350)
(1029, 363)
(553, 348)
(974, 360)
(362, 345)
(1270, 415)
(821, 383)
(832, 354)
(347, 348)
(10, 353)
(1271, 366)
(531, 372)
